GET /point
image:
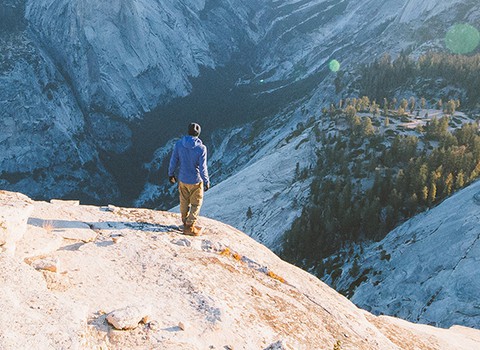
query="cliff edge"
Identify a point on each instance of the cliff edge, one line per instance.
(85, 277)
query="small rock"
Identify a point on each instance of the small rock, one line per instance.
(128, 317)
(111, 208)
(153, 325)
(47, 264)
(65, 202)
(182, 242)
(117, 239)
(279, 345)
(181, 325)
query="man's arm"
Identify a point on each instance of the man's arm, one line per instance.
(173, 162)
(204, 169)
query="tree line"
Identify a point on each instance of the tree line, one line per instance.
(367, 182)
(381, 78)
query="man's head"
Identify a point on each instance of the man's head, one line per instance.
(194, 129)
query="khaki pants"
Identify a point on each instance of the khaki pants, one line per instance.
(191, 199)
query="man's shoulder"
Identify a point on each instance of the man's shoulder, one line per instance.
(199, 144)
(201, 147)
(180, 144)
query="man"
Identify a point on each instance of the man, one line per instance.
(190, 157)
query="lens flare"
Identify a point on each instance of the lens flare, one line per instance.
(334, 65)
(462, 38)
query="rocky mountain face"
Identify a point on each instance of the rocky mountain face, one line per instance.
(43, 136)
(126, 58)
(74, 75)
(423, 271)
(85, 277)
(85, 72)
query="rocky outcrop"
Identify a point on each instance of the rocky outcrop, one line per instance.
(221, 290)
(15, 210)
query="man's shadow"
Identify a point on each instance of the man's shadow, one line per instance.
(60, 226)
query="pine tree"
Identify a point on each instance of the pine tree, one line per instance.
(393, 103)
(423, 103)
(385, 110)
(425, 194)
(350, 112)
(448, 184)
(374, 109)
(475, 172)
(421, 178)
(412, 104)
(297, 171)
(355, 270)
(459, 180)
(450, 107)
(432, 193)
(367, 127)
(440, 104)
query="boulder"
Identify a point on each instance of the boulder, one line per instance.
(128, 317)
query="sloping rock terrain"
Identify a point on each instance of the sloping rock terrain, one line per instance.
(426, 270)
(85, 277)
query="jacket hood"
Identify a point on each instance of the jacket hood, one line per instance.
(191, 142)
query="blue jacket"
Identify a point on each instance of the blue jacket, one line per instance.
(190, 156)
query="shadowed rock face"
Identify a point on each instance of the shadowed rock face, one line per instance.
(12, 15)
(169, 291)
(45, 147)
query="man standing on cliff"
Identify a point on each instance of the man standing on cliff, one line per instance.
(190, 157)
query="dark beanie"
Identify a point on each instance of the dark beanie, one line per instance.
(194, 129)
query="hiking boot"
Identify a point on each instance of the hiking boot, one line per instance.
(191, 230)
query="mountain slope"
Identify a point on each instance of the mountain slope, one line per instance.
(426, 269)
(77, 264)
(303, 36)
